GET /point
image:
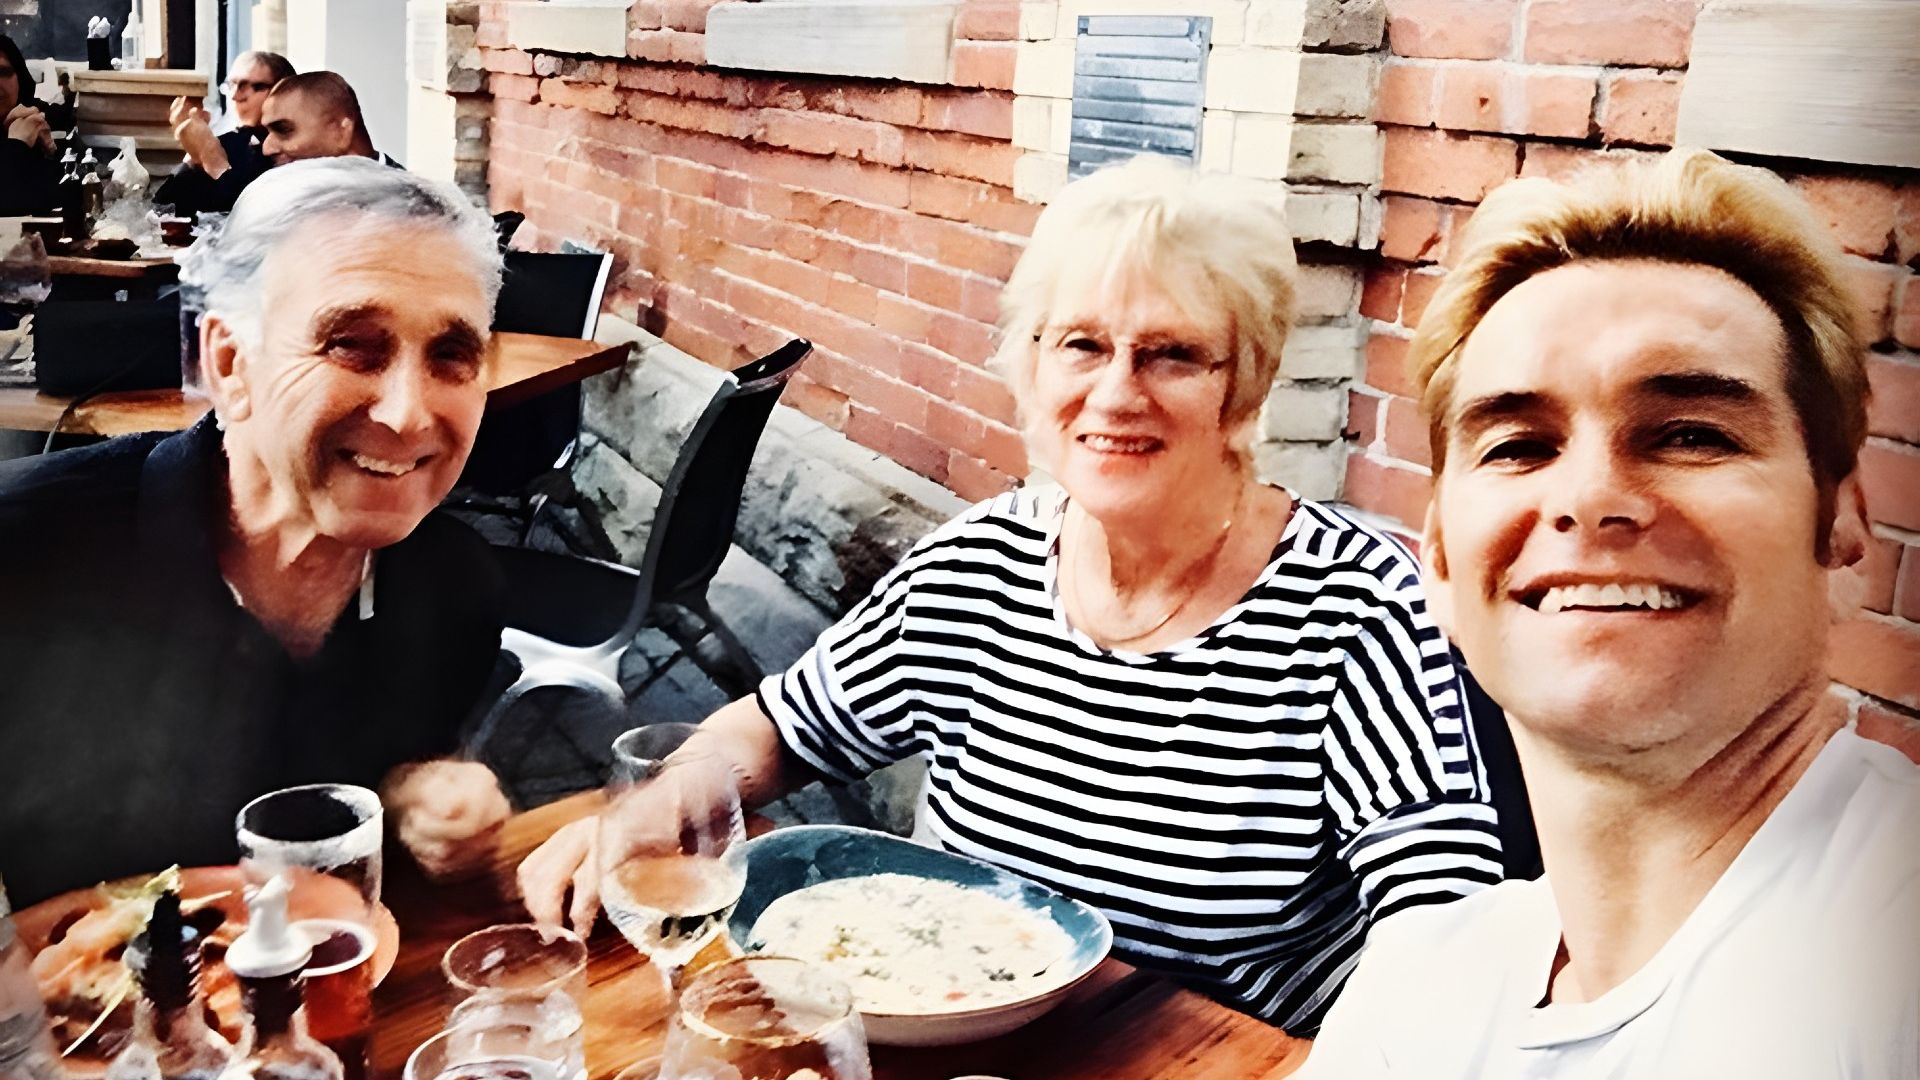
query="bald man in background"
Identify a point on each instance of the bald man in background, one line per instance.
(314, 115)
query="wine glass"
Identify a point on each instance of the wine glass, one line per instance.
(520, 975)
(766, 1016)
(670, 850)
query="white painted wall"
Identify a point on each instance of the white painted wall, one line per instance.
(366, 42)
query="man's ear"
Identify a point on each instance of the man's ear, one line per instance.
(1434, 579)
(1846, 545)
(223, 369)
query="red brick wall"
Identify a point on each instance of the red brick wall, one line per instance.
(876, 219)
(1479, 91)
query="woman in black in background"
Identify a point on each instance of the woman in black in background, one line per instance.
(29, 174)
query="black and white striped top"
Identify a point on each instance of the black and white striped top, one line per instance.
(1241, 805)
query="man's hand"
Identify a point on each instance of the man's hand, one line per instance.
(193, 130)
(29, 125)
(447, 815)
(567, 858)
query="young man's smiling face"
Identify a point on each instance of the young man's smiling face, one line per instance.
(1623, 537)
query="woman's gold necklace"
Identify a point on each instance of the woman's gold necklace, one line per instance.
(1200, 571)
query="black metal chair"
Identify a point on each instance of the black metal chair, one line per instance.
(569, 620)
(522, 455)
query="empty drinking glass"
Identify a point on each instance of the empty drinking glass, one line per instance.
(766, 1018)
(521, 974)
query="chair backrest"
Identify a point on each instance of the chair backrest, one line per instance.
(691, 535)
(556, 293)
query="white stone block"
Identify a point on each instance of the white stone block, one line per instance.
(1044, 69)
(1335, 153)
(1305, 413)
(909, 42)
(1331, 217)
(1279, 23)
(1336, 84)
(1229, 16)
(590, 27)
(1062, 126)
(1322, 352)
(1033, 122)
(1038, 20)
(1371, 218)
(1038, 177)
(1311, 470)
(1262, 145)
(1327, 291)
(1252, 79)
(1216, 141)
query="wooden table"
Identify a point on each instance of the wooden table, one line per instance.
(525, 366)
(1120, 1024)
(158, 268)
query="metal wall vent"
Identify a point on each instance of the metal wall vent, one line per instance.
(1138, 83)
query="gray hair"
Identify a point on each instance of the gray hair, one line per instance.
(220, 274)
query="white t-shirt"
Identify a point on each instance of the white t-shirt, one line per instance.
(1801, 963)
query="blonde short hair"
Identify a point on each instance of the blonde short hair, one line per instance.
(1688, 207)
(1214, 243)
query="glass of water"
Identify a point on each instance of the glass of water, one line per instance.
(670, 847)
(523, 975)
(766, 1016)
(475, 1053)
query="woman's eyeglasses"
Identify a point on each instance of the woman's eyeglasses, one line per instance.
(1161, 361)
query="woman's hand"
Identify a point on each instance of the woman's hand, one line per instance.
(447, 815)
(29, 125)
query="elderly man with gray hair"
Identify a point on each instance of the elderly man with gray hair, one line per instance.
(268, 598)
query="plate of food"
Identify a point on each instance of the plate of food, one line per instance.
(938, 948)
(77, 940)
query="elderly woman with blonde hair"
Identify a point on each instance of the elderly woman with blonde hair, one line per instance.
(1212, 709)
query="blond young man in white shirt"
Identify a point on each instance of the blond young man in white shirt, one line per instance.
(1647, 400)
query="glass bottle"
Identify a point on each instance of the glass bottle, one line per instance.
(73, 199)
(170, 1038)
(27, 1051)
(268, 960)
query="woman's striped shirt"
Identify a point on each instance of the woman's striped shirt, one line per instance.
(1241, 805)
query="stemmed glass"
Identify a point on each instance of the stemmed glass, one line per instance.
(766, 1016)
(672, 864)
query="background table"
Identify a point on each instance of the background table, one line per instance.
(1120, 1024)
(525, 366)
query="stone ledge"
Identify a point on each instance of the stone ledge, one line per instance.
(908, 40)
(588, 27)
(826, 514)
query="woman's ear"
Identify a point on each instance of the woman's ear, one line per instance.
(1434, 579)
(223, 369)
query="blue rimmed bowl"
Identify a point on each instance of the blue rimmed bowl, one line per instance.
(791, 859)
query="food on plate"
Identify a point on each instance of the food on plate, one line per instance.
(915, 945)
(86, 984)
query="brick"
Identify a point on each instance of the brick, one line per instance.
(988, 161)
(980, 298)
(1004, 449)
(988, 20)
(1641, 107)
(958, 199)
(1880, 656)
(835, 176)
(1878, 572)
(514, 87)
(819, 133)
(1326, 291)
(1387, 365)
(1421, 285)
(1341, 25)
(1328, 217)
(1897, 728)
(983, 392)
(1331, 153)
(1403, 432)
(1906, 315)
(821, 403)
(973, 112)
(903, 318)
(987, 64)
(1559, 162)
(1906, 226)
(667, 46)
(1398, 492)
(506, 61)
(1890, 473)
(1407, 92)
(1623, 33)
(934, 285)
(1860, 211)
(1497, 97)
(1380, 295)
(1872, 285)
(1363, 418)
(688, 15)
(1906, 592)
(961, 338)
(647, 15)
(1447, 166)
(1415, 230)
(1894, 408)
(1322, 352)
(1336, 85)
(1453, 29)
(975, 480)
